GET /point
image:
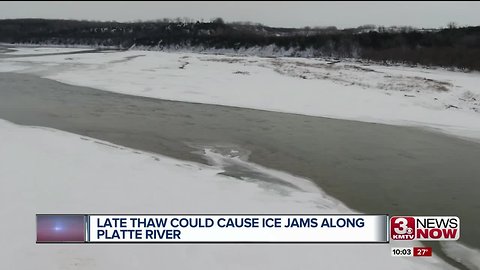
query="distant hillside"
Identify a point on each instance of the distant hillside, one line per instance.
(452, 47)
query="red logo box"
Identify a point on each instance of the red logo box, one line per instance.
(402, 228)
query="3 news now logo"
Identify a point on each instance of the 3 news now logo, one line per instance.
(424, 228)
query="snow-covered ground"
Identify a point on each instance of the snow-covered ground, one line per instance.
(447, 101)
(49, 171)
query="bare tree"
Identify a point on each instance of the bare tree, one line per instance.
(452, 25)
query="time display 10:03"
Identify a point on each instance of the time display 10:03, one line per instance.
(402, 252)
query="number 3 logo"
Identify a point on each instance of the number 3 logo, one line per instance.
(402, 227)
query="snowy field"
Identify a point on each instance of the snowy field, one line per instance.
(68, 173)
(447, 101)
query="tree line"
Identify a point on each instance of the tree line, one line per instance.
(450, 47)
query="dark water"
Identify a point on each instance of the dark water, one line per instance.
(372, 168)
(4, 49)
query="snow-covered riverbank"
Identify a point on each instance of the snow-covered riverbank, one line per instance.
(447, 101)
(49, 171)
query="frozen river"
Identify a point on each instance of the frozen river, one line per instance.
(373, 168)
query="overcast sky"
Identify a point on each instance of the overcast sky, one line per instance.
(287, 14)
